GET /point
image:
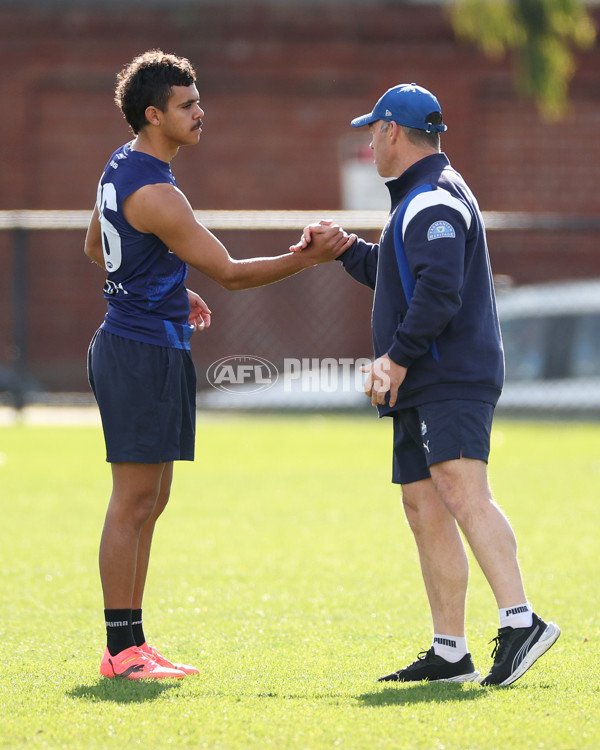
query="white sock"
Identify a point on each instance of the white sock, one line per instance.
(517, 616)
(452, 648)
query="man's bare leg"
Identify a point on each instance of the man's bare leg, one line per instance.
(136, 488)
(444, 563)
(146, 534)
(464, 488)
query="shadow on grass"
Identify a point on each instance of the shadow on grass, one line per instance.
(421, 693)
(123, 691)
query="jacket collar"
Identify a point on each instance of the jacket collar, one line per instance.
(410, 178)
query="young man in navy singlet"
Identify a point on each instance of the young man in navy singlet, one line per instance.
(143, 232)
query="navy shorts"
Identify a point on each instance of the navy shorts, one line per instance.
(439, 431)
(147, 399)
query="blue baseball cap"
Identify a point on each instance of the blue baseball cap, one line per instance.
(409, 105)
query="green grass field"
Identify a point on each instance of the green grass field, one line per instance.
(284, 570)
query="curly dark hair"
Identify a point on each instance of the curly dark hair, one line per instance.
(146, 81)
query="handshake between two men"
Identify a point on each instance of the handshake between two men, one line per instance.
(328, 241)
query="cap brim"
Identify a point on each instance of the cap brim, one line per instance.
(358, 122)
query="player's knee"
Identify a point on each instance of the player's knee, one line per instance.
(424, 510)
(160, 505)
(135, 509)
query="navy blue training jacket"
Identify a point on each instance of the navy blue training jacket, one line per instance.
(434, 310)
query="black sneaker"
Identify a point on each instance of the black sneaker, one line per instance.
(517, 649)
(433, 668)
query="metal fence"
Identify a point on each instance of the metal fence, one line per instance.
(311, 329)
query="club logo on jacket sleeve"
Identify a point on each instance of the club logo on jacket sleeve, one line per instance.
(440, 229)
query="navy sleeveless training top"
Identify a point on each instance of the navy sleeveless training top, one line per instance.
(145, 288)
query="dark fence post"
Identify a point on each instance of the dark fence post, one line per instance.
(20, 315)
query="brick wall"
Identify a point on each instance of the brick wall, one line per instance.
(279, 85)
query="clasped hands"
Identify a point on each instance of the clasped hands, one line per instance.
(383, 374)
(324, 241)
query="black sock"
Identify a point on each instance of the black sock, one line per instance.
(137, 627)
(119, 634)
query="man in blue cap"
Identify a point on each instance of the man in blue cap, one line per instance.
(438, 373)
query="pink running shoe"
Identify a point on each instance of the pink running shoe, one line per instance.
(162, 661)
(135, 664)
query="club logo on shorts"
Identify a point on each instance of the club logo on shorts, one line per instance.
(423, 428)
(440, 229)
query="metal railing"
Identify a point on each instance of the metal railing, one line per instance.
(21, 223)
